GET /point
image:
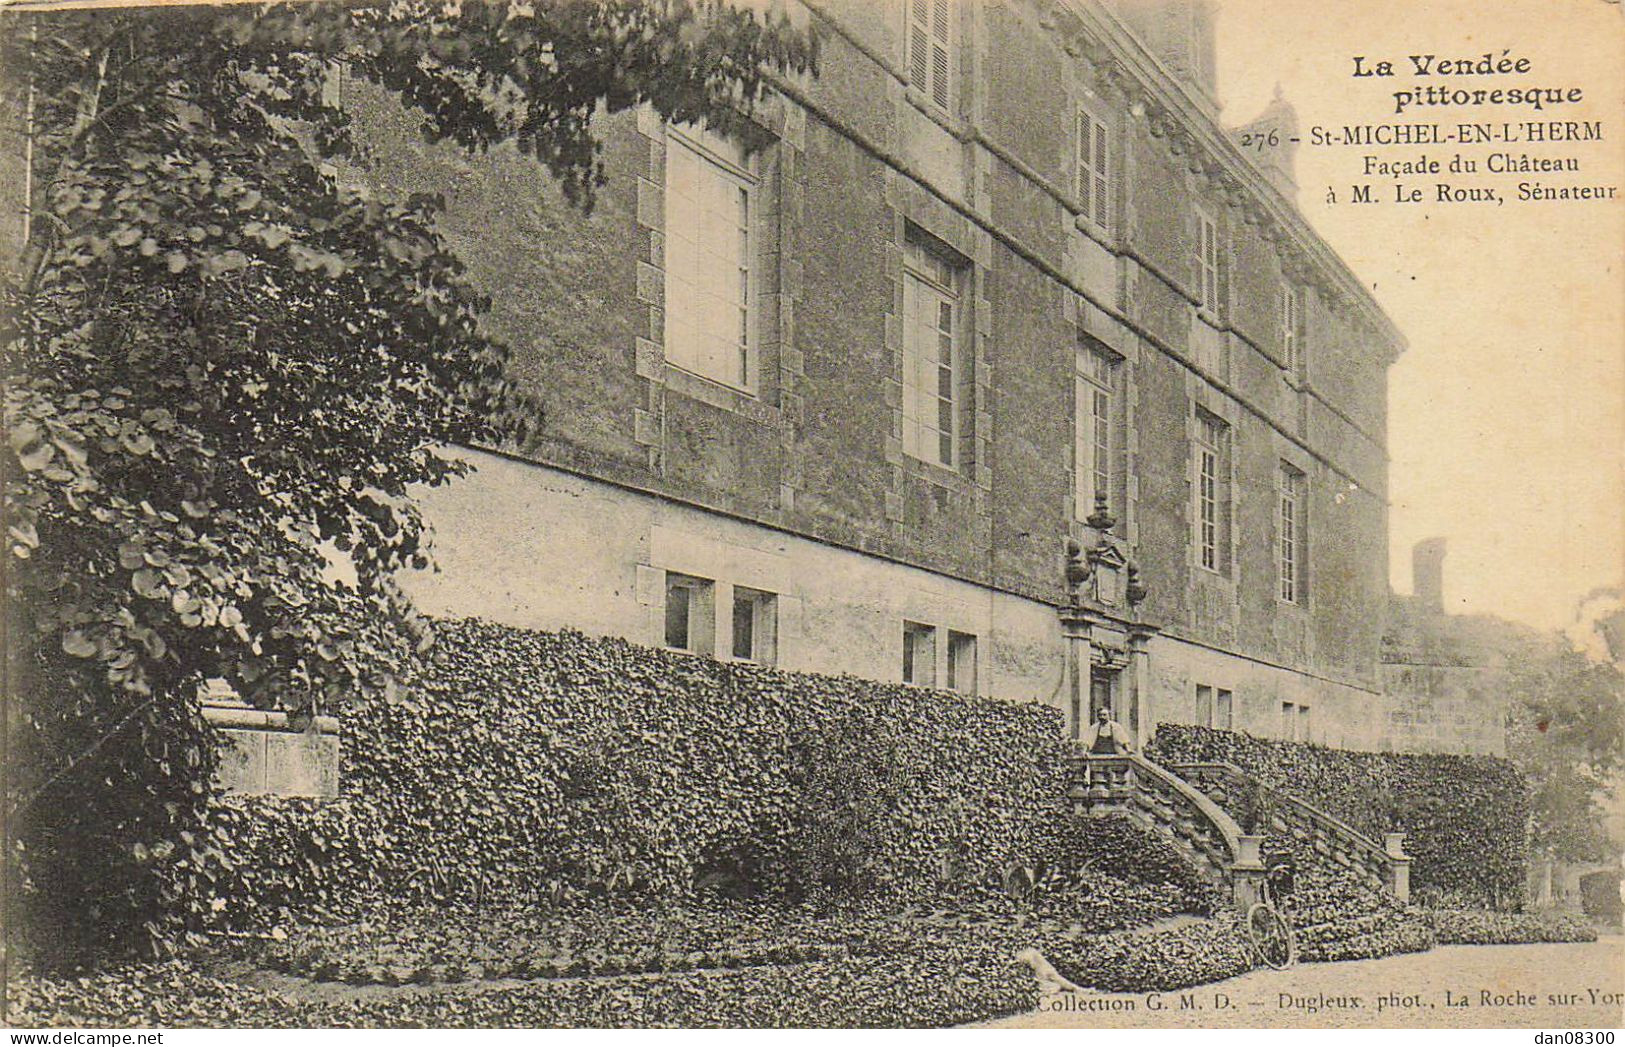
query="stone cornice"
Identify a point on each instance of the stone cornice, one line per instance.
(1174, 112)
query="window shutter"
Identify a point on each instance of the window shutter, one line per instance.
(1102, 194)
(1086, 180)
(1083, 448)
(1208, 262)
(1103, 443)
(1289, 326)
(1201, 258)
(911, 356)
(1094, 169)
(919, 42)
(939, 54)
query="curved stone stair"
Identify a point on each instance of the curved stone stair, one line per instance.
(1192, 806)
(1307, 829)
(1133, 785)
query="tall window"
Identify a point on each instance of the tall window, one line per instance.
(709, 284)
(1292, 329)
(1093, 426)
(930, 54)
(1094, 169)
(1212, 493)
(1207, 263)
(931, 323)
(1291, 488)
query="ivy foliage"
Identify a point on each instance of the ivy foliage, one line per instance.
(1464, 817)
(1477, 927)
(939, 985)
(1116, 846)
(553, 768)
(1340, 916)
(617, 937)
(225, 369)
(1193, 953)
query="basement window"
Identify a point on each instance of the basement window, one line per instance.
(919, 654)
(961, 662)
(755, 626)
(690, 614)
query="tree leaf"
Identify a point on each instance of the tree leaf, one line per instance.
(148, 583)
(37, 457)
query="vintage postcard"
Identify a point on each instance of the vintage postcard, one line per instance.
(813, 513)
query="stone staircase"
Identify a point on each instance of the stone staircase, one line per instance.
(1132, 785)
(1325, 839)
(1191, 805)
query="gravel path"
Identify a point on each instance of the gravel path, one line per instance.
(1513, 986)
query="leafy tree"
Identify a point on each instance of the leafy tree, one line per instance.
(222, 364)
(1566, 733)
(1564, 696)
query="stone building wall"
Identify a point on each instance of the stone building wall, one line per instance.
(800, 486)
(812, 458)
(1444, 676)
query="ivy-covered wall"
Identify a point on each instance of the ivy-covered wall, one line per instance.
(549, 765)
(1465, 817)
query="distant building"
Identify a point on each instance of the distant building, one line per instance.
(1444, 675)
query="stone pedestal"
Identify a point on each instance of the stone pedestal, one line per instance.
(262, 755)
(1399, 869)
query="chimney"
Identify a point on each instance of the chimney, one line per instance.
(1427, 573)
(1278, 155)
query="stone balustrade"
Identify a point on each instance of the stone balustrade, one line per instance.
(1129, 783)
(1334, 841)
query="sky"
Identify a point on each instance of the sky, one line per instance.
(1507, 413)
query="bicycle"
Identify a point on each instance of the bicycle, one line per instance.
(1269, 930)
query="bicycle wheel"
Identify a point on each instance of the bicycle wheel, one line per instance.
(1271, 936)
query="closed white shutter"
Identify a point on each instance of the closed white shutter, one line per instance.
(1094, 169)
(1083, 450)
(1086, 174)
(919, 42)
(1207, 252)
(1291, 329)
(1102, 169)
(930, 58)
(939, 53)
